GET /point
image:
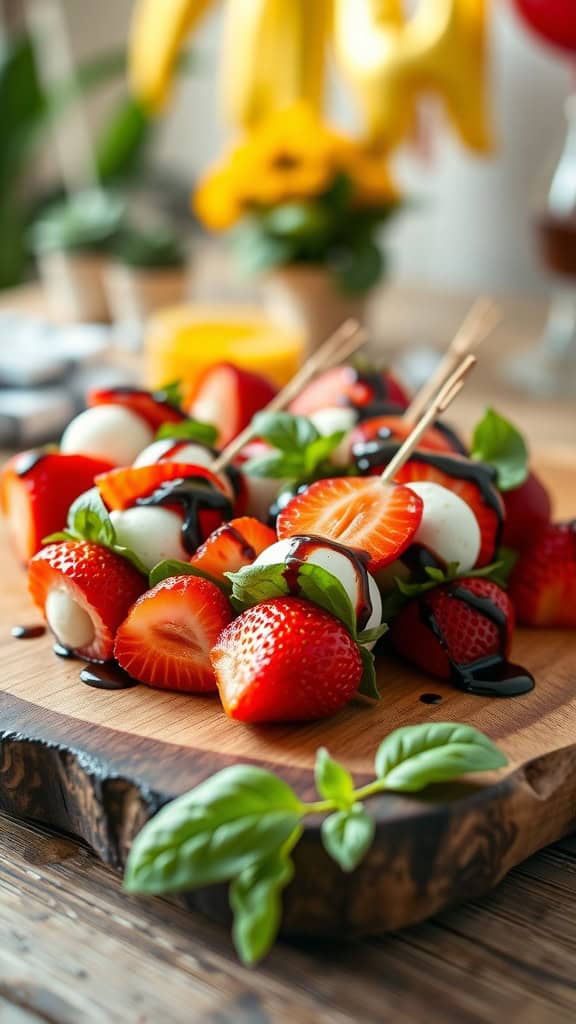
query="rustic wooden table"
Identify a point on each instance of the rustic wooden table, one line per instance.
(74, 948)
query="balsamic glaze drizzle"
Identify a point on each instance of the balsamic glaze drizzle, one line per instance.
(28, 632)
(64, 652)
(430, 698)
(108, 676)
(300, 550)
(193, 494)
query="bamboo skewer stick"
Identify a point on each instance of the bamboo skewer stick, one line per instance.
(478, 324)
(451, 388)
(346, 340)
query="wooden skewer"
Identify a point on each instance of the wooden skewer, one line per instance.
(451, 388)
(337, 348)
(479, 322)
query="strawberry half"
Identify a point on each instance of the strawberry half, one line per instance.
(543, 582)
(360, 512)
(395, 429)
(285, 660)
(455, 626)
(229, 397)
(471, 481)
(166, 639)
(121, 488)
(152, 406)
(233, 545)
(36, 491)
(84, 592)
(345, 385)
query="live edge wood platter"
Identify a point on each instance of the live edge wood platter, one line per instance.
(97, 764)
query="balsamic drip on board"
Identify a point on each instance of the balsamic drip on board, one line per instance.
(107, 676)
(300, 550)
(493, 676)
(28, 632)
(430, 698)
(193, 494)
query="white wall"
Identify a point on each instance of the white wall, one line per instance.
(471, 229)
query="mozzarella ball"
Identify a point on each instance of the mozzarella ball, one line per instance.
(70, 623)
(449, 528)
(107, 432)
(338, 564)
(262, 492)
(151, 533)
(329, 421)
(196, 454)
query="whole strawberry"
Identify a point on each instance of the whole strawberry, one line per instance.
(456, 625)
(285, 660)
(543, 583)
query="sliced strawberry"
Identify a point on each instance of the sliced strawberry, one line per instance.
(229, 397)
(84, 592)
(36, 491)
(345, 385)
(152, 406)
(166, 639)
(121, 488)
(285, 660)
(471, 481)
(543, 582)
(454, 627)
(395, 429)
(233, 545)
(528, 511)
(380, 519)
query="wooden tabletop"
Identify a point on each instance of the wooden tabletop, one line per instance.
(74, 948)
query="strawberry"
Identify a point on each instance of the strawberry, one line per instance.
(229, 397)
(233, 545)
(528, 511)
(84, 592)
(543, 582)
(364, 513)
(121, 488)
(394, 429)
(453, 626)
(344, 385)
(285, 660)
(152, 406)
(471, 481)
(166, 638)
(36, 491)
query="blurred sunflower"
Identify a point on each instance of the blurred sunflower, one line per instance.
(371, 179)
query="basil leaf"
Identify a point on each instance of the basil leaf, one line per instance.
(55, 538)
(333, 781)
(130, 556)
(173, 567)
(347, 836)
(416, 755)
(284, 431)
(88, 519)
(231, 821)
(318, 451)
(276, 466)
(496, 441)
(255, 583)
(369, 636)
(368, 686)
(172, 393)
(188, 430)
(257, 906)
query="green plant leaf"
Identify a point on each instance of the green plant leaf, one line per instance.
(333, 781)
(173, 567)
(189, 430)
(416, 755)
(298, 220)
(122, 144)
(348, 835)
(301, 450)
(256, 583)
(257, 250)
(233, 820)
(284, 431)
(496, 441)
(255, 898)
(318, 451)
(88, 520)
(357, 265)
(275, 466)
(370, 636)
(501, 569)
(172, 393)
(368, 686)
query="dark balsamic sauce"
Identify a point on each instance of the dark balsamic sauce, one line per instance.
(27, 461)
(246, 549)
(193, 494)
(430, 698)
(417, 559)
(107, 677)
(28, 632)
(300, 550)
(64, 652)
(493, 676)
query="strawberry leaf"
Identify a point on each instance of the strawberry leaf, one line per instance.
(496, 441)
(173, 567)
(188, 430)
(368, 686)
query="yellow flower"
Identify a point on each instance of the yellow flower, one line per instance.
(216, 202)
(372, 180)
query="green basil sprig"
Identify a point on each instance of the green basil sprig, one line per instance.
(301, 452)
(496, 441)
(241, 824)
(188, 430)
(174, 567)
(88, 520)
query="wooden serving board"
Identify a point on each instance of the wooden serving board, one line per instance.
(98, 763)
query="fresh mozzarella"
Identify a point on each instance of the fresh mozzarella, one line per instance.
(330, 421)
(152, 533)
(70, 623)
(337, 563)
(262, 492)
(197, 454)
(449, 528)
(107, 432)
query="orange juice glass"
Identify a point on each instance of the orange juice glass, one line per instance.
(181, 341)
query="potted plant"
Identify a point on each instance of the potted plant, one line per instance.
(306, 204)
(70, 241)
